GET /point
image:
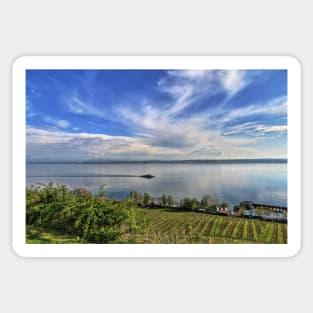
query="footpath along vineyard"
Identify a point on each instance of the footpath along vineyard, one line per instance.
(165, 226)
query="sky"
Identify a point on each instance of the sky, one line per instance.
(156, 114)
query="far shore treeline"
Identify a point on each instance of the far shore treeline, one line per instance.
(89, 218)
(104, 161)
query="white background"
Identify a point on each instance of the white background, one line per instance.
(221, 27)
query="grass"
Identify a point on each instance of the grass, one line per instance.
(35, 236)
(165, 226)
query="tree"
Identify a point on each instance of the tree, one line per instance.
(163, 200)
(169, 201)
(152, 202)
(78, 212)
(194, 204)
(205, 202)
(102, 191)
(136, 196)
(225, 205)
(185, 204)
(208, 202)
(146, 199)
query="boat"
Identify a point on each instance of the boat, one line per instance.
(149, 176)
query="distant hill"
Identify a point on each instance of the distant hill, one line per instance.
(100, 161)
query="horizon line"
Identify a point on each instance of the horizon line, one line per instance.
(100, 161)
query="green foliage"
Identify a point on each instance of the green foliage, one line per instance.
(92, 218)
(225, 205)
(165, 226)
(102, 191)
(194, 204)
(208, 202)
(137, 197)
(55, 214)
(185, 204)
(34, 236)
(169, 201)
(146, 199)
(163, 201)
(188, 204)
(152, 202)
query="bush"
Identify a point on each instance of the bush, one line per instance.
(77, 212)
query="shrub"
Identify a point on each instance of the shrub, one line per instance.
(93, 218)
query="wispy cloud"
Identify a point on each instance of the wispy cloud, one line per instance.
(29, 109)
(204, 134)
(57, 123)
(173, 146)
(86, 145)
(277, 128)
(253, 129)
(234, 80)
(276, 106)
(31, 94)
(167, 126)
(78, 106)
(188, 86)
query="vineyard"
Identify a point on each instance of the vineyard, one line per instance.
(162, 226)
(55, 214)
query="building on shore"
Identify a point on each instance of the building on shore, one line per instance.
(249, 205)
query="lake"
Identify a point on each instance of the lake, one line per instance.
(233, 182)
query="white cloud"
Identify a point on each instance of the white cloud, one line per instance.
(29, 109)
(254, 129)
(233, 80)
(194, 133)
(78, 106)
(188, 86)
(227, 80)
(57, 122)
(200, 135)
(189, 74)
(277, 106)
(278, 128)
(158, 131)
(174, 143)
(89, 145)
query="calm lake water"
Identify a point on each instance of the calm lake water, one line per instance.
(259, 182)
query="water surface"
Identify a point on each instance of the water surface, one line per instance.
(233, 182)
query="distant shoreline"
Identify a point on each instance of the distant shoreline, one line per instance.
(222, 161)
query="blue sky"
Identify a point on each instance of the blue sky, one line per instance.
(156, 114)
